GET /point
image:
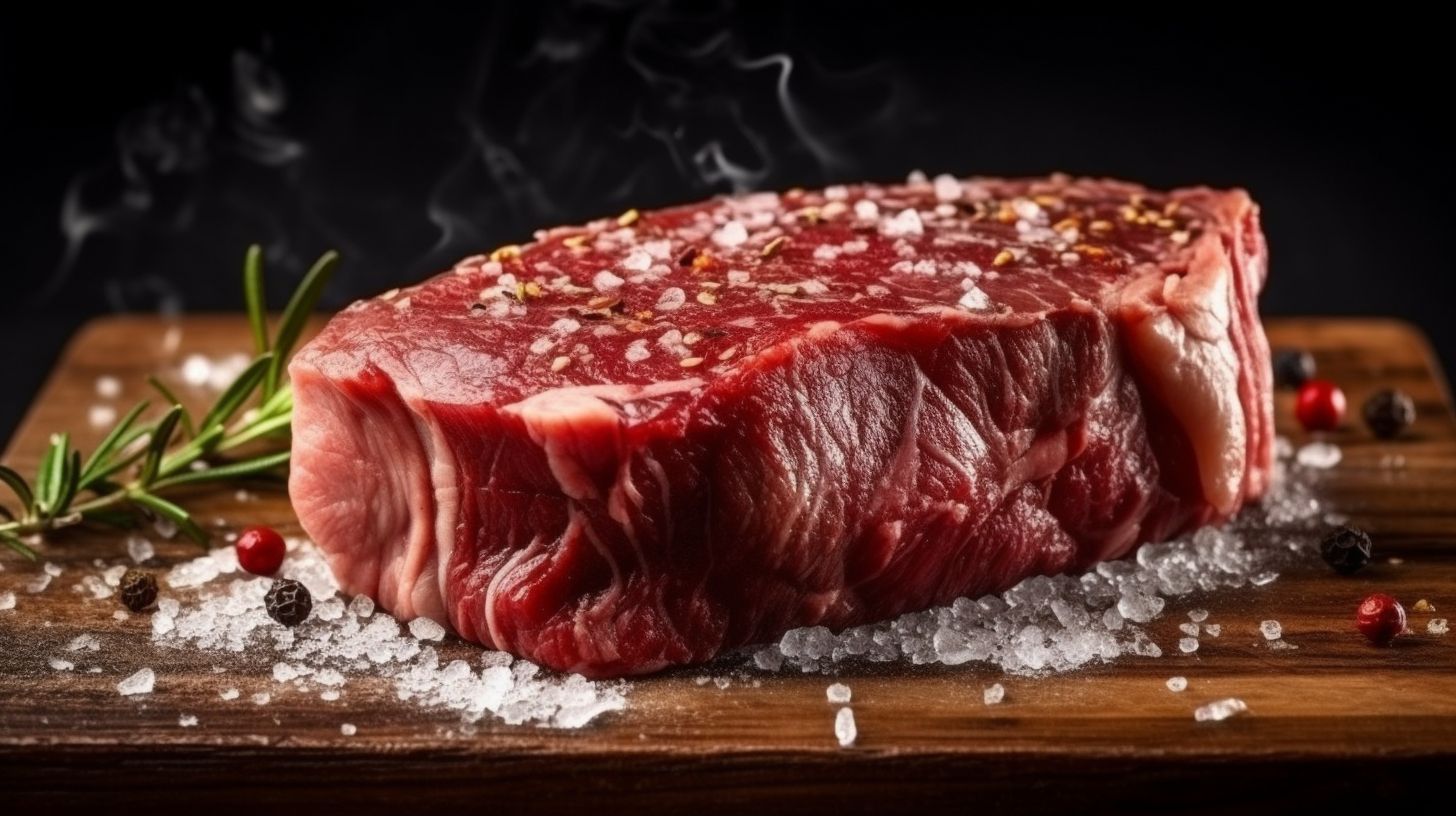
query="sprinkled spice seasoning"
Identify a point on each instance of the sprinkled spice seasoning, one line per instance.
(288, 602)
(1292, 367)
(260, 550)
(1346, 549)
(505, 253)
(1320, 405)
(138, 589)
(1388, 412)
(1380, 618)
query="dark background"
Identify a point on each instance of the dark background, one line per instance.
(147, 147)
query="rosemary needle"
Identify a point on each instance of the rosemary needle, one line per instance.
(127, 473)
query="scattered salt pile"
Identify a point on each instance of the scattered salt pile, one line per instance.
(342, 641)
(844, 728)
(994, 694)
(1051, 624)
(1220, 710)
(140, 683)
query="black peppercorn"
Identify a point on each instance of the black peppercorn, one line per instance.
(288, 602)
(1388, 412)
(1347, 549)
(1292, 367)
(138, 589)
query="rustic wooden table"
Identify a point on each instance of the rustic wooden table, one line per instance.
(1336, 721)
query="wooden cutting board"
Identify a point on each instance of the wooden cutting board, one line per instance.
(1336, 721)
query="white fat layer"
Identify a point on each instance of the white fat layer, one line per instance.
(580, 428)
(525, 555)
(445, 478)
(1182, 348)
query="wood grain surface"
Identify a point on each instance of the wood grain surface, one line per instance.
(1335, 722)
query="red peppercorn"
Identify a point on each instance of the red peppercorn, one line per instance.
(260, 550)
(1380, 618)
(1320, 405)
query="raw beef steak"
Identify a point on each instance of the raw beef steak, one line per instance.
(646, 440)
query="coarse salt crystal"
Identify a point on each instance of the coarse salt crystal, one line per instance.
(1026, 209)
(139, 548)
(565, 325)
(975, 299)
(1213, 630)
(838, 693)
(7, 600)
(1198, 615)
(866, 210)
(994, 694)
(844, 728)
(1220, 710)
(187, 720)
(1437, 626)
(731, 234)
(101, 416)
(637, 351)
(362, 606)
(88, 642)
(671, 299)
(108, 387)
(426, 629)
(1319, 455)
(1271, 629)
(605, 281)
(61, 665)
(348, 729)
(261, 698)
(230, 694)
(638, 260)
(140, 683)
(1188, 645)
(196, 370)
(947, 188)
(1179, 683)
(906, 222)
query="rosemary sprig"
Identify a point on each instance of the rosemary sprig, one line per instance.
(174, 450)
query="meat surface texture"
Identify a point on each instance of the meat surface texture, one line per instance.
(650, 439)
